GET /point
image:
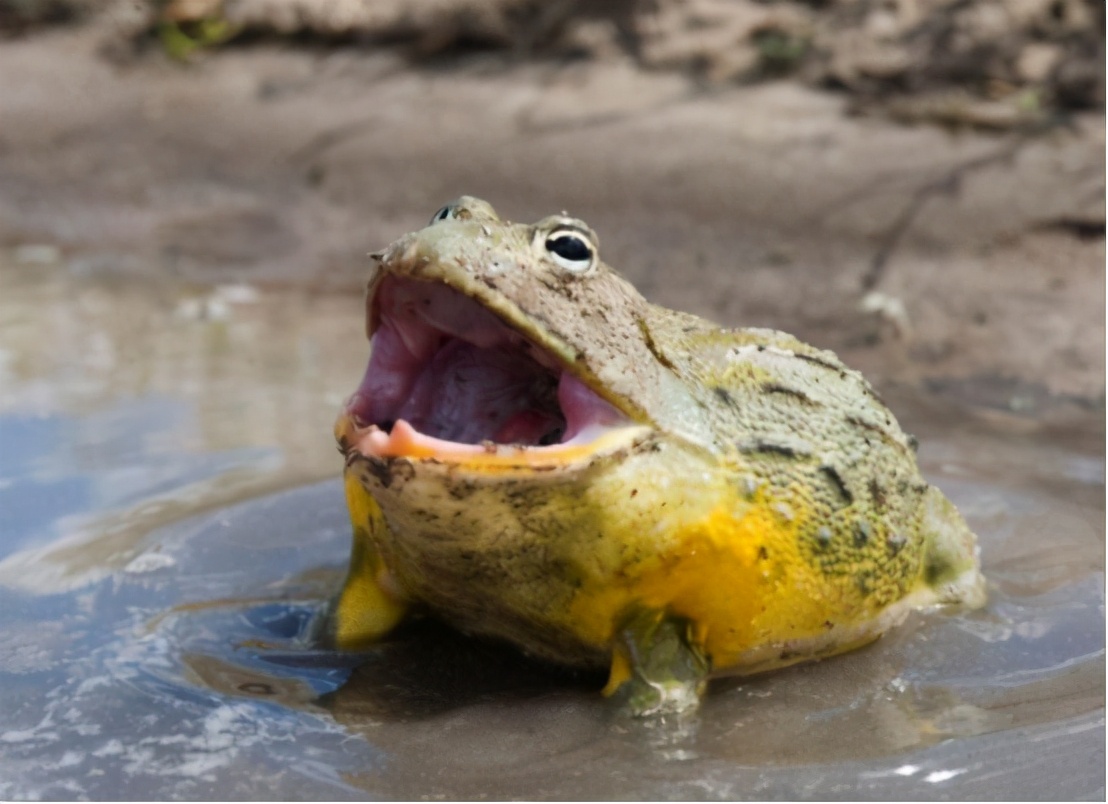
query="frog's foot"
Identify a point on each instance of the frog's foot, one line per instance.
(370, 604)
(656, 668)
(366, 609)
(953, 566)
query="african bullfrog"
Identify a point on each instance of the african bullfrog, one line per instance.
(538, 454)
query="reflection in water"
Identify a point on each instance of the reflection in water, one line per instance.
(163, 562)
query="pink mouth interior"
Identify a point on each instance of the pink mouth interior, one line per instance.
(456, 372)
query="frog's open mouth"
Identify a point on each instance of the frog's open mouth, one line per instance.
(447, 377)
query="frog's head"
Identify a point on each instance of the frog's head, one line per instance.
(502, 344)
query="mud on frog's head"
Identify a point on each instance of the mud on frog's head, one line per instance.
(498, 343)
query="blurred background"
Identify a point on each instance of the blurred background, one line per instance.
(919, 185)
(188, 191)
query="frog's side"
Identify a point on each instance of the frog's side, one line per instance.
(745, 502)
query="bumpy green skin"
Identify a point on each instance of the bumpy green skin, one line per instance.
(747, 444)
(789, 416)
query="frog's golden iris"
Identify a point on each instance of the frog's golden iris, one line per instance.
(539, 454)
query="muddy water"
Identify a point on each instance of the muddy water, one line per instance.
(173, 521)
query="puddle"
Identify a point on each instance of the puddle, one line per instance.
(173, 522)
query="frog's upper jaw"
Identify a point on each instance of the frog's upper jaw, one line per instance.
(448, 380)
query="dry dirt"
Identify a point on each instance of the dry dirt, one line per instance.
(968, 261)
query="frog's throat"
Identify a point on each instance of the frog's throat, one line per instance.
(449, 380)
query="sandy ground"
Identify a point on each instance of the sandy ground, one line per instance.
(972, 263)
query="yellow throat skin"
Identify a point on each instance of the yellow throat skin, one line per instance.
(722, 501)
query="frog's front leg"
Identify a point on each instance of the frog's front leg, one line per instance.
(656, 666)
(367, 608)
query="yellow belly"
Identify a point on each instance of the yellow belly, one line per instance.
(559, 568)
(753, 598)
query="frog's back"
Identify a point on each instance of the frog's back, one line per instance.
(810, 441)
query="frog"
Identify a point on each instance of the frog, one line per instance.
(538, 455)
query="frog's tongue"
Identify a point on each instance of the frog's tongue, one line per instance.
(454, 373)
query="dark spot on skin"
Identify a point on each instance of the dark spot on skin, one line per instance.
(634, 492)
(836, 481)
(913, 442)
(865, 425)
(724, 396)
(787, 655)
(427, 515)
(516, 491)
(877, 494)
(876, 396)
(822, 362)
(894, 541)
(862, 532)
(460, 489)
(936, 569)
(389, 470)
(778, 388)
(863, 582)
(763, 554)
(769, 446)
(824, 537)
(828, 624)
(648, 339)
(884, 434)
(381, 470)
(558, 284)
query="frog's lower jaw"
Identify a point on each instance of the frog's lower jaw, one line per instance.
(656, 669)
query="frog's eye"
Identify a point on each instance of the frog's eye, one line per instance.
(570, 250)
(464, 208)
(447, 213)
